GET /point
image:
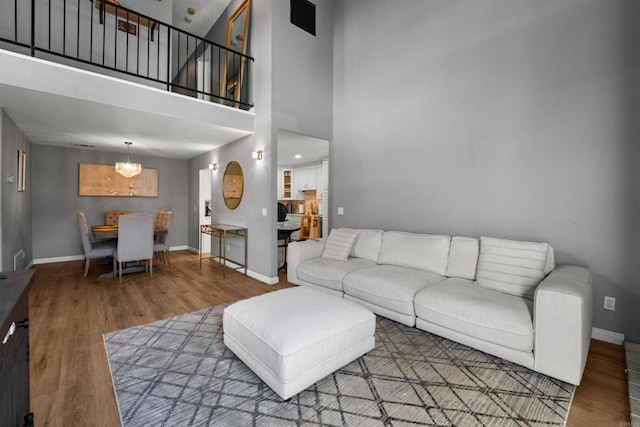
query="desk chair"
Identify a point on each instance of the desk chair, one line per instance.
(284, 236)
(135, 241)
(92, 249)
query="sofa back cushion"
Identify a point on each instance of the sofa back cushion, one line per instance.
(422, 251)
(511, 267)
(463, 257)
(339, 244)
(367, 244)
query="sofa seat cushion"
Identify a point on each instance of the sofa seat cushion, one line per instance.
(388, 286)
(486, 314)
(328, 272)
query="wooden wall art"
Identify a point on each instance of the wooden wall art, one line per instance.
(102, 180)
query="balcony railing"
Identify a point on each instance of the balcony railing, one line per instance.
(117, 40)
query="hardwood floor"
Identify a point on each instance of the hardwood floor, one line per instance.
(70, 378)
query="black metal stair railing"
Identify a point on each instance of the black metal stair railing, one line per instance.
(106, 36)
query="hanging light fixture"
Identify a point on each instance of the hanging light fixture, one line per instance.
(127, 168)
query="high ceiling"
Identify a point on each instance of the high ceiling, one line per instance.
(206, 14)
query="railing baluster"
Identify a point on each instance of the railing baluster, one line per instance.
(64, 27)
(168, 57)
(138, 46)
(15, 20)
(49, 27)
(78, 33)
(91, 31)
(33, 27)
(148, 46)
(126, 51)
(104, 33)
(115, 36)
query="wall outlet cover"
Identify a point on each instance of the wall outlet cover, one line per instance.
(610, 303)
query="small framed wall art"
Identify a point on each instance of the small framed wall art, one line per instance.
(22, 170)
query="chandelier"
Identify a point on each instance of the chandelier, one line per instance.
(127, 168)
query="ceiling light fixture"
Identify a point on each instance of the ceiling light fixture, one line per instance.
(128, 169)
(298, 156)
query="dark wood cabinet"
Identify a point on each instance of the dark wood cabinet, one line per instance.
(14, 354)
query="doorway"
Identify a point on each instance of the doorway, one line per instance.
(205, 211)
(303, 179)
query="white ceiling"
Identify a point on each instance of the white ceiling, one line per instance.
(207, 13)
(310, 149)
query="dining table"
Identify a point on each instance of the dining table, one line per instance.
(106, 232)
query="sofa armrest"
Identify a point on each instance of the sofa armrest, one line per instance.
(563, 312)
(302, 251)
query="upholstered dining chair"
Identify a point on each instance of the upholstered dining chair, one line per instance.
(161, 244)
(135, 241)
(92, 249)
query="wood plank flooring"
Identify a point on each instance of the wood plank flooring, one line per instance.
(70, 378)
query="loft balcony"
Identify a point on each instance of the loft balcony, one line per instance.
(120, 73)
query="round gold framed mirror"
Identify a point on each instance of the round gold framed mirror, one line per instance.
(232, 185)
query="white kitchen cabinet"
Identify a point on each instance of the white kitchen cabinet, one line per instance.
(319, 179)
(325, 176)
(306, 178)
(285, 183)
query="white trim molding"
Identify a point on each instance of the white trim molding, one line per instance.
(58, 259)
(607, 336)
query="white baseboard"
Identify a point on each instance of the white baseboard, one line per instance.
(261, 277)
(58, 259)
(607, 336)
(81, 257)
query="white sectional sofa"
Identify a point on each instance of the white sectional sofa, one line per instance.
(502, 297)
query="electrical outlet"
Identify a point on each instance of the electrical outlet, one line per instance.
(610, 303)
(341, 211)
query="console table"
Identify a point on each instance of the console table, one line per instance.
(14, 357)
(224, 232)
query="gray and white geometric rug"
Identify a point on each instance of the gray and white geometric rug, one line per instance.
(178, 372)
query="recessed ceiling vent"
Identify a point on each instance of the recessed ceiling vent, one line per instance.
(82, 145)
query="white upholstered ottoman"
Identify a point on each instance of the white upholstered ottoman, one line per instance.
(297, 336)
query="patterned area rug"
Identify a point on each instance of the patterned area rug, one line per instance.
(177, 372)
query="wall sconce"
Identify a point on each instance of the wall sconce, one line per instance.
(213, 166)
(257, 155)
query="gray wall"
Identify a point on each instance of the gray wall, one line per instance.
(15, 214)
(497, 118)
(303, 72)
(292, 89)
(56, 201)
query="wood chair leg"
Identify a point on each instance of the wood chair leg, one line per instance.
(86, 266)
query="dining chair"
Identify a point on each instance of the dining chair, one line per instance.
(135, 241)
(92, 248)
(161, 244)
